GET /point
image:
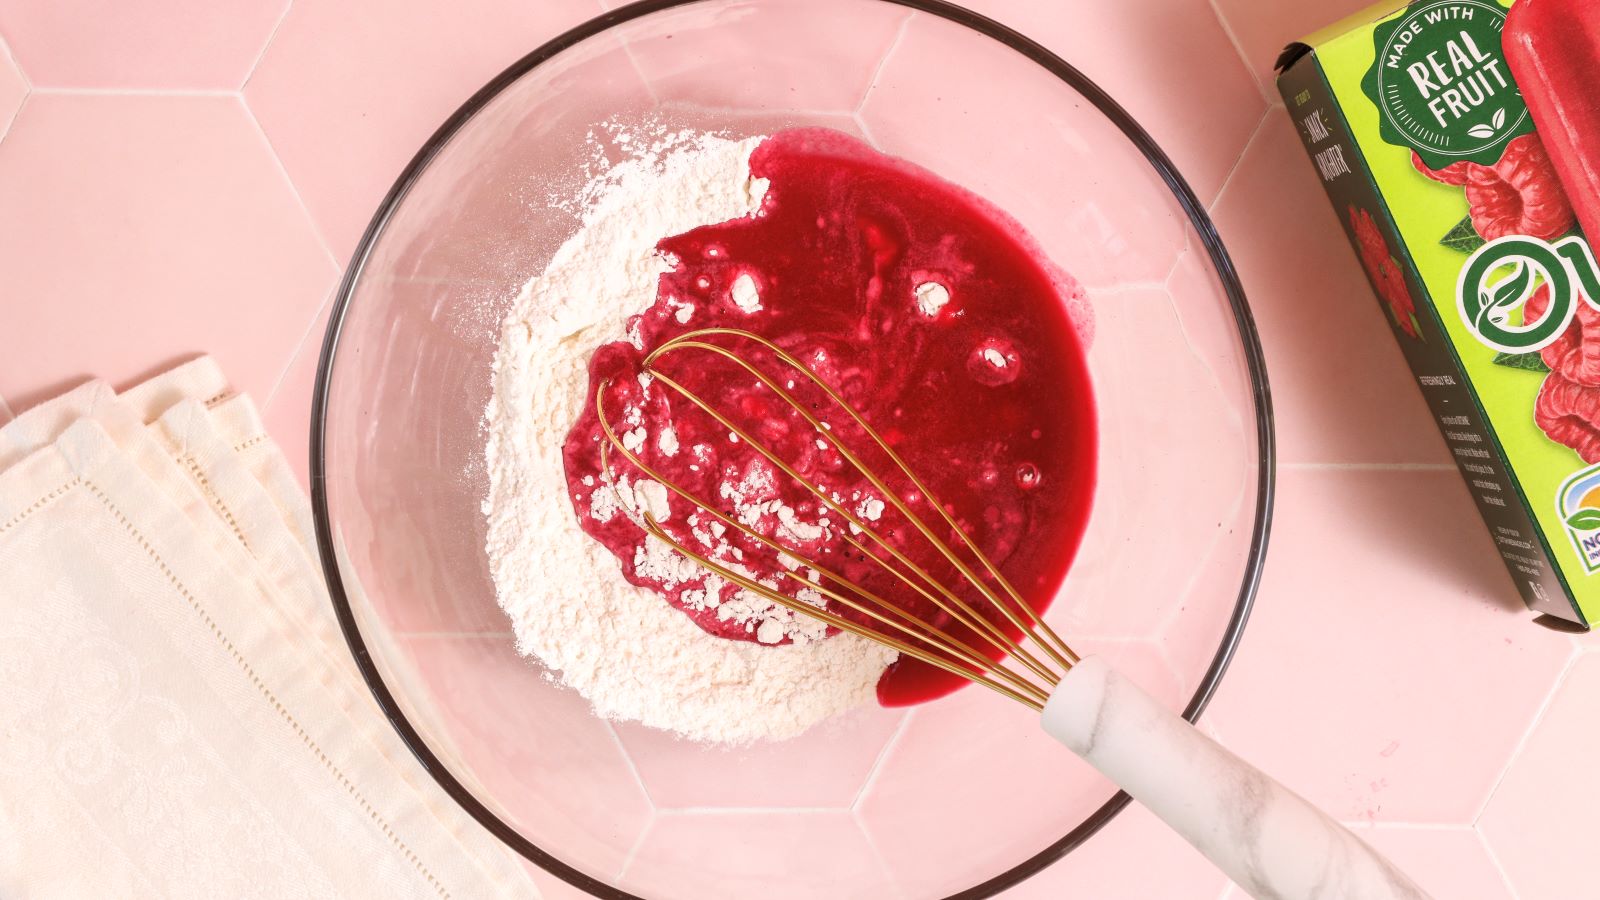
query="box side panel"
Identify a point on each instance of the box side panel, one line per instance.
(1423, 337)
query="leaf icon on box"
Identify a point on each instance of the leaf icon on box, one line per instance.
(1481, 131)
(1585, 520)
(1506, 295)
(1499, 120)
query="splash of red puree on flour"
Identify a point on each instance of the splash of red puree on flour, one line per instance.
(932, 313)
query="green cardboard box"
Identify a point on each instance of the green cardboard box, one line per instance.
(1416, 125)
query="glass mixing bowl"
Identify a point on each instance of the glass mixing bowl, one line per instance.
(961, 797)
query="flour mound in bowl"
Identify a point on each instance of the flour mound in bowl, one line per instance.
(632, 655)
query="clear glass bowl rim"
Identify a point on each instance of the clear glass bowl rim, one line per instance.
(1221, 263)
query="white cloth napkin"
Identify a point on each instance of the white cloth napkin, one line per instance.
(179, 716)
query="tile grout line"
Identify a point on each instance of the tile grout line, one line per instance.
(1163, 657)
(1494, 860)
(294, 189)
(633, 62)
(877, 764)
(1188, 341)
(1186, 249)
(871, 841)
(649, 88)
(1575, 655)
(883, 63)
(27, 89)
(638, 844)
(632, 768)
(1238, 48)
(1209, 727)
(5, 51)
(5, 127)
(1227, 182)
(1127, 287)
(267, 45)
(866, 132)
(134, 92)
(815, 111)
(300, 345)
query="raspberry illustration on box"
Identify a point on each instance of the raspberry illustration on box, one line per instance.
(1521, 195)
(1384, 272)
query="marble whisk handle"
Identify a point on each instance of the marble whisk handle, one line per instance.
(1269, 840)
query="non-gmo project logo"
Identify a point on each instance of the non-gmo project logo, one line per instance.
(1578, 504)
(1441, 83)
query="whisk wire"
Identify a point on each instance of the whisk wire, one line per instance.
(1062, 654)
(953, 645)
(947, 652)
(967, 614)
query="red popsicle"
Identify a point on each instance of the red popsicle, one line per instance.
(1553, 48)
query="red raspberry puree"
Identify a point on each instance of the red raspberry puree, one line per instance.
(987, 396)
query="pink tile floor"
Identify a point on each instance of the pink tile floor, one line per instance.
(185, 177)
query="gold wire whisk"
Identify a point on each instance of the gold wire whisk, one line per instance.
(918, 639)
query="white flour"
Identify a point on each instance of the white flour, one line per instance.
(626, 649)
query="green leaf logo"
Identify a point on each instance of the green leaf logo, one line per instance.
(1585, 520)
(1498, 280)
(1507, 294)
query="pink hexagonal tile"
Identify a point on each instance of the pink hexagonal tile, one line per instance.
(1135, 857)
(1544, 818)
(532, 751)
(1141, 661)
(1169, 62)
(1149, 380)
(1445, 862)
(1196, 626)
(748, 122)
(13, 88)
(1341, 389)
(825, 767)
(973, 786)
(349, 91)
(190, 44)
(1390, 667)
(286, 408)
(751, 41)
(1264, 29)
(1004, 128)
(144, 229)
(706, 856)
(1190, 639)
(404, 452)
(1211, 333)
(444, 588)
